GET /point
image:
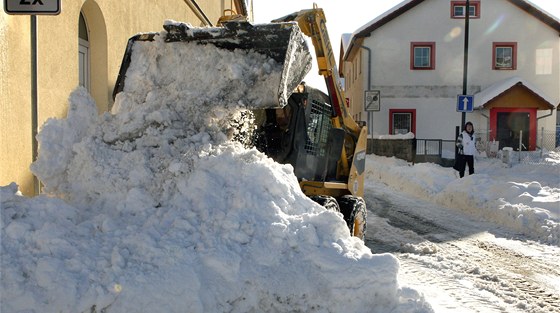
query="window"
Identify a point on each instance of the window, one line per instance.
(402, 121)
(422, 55)
(504, 55)
(360, 62)
(458, 9)
(83, 53)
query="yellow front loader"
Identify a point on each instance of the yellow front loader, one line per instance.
(317, 135)
(298, 124)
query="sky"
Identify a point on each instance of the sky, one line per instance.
(152, 207)
(346, 17)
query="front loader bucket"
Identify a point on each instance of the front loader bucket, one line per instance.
(282, 42)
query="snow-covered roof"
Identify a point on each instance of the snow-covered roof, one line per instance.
(345, 40)
(405, 5)
(498, 88)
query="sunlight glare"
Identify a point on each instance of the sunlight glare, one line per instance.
(494, 25)
(454, 33)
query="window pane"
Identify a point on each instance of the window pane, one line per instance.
(504, 57)
(82, 28)
(422, 57)
(458, 10)
(82, 68)
(402, 123)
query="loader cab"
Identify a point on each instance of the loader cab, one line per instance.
(301, 134)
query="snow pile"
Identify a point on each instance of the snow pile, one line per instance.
(154, 209)
(507, 196)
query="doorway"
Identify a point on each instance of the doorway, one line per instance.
(510, 127)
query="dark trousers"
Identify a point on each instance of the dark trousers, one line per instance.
(462, 162)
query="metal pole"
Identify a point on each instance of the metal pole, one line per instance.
(34, 98)
(520, 144)
(542, 141)
(465, 58)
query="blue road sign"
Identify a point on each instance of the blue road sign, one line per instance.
(465, 103)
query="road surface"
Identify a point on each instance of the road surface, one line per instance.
(459, 262)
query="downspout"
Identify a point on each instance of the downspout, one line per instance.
(369, 66)
(198, 12)
(551, 112)
(34, 100)
(369, 86)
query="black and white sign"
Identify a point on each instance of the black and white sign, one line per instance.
(372, 100)
(32, 7)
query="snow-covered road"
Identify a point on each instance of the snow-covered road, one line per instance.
(461, 263)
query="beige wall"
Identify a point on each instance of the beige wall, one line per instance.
(110, 24)
(355, 78)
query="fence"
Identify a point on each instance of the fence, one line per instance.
(546, 140)
(438, 151)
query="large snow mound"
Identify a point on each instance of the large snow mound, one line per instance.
(153, 208)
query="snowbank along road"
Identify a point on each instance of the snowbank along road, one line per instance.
(461, 264)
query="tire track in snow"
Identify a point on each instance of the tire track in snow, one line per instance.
(460, 262)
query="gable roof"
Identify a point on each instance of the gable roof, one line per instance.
(406, 5)
(483, 97)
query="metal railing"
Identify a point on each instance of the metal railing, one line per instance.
(435, 150)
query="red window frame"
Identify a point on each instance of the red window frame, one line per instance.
(475, 4)
(513, 46)
(412, 119)
(432, 46)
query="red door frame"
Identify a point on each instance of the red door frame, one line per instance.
(532, 123)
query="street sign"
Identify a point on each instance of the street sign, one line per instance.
(465, 103)
(372, 100)
(32, 7)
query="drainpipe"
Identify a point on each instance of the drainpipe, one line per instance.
(34, 100)
(369, 86)
(551, 112)
(369, 66)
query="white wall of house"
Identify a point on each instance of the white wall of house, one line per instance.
(433, 92)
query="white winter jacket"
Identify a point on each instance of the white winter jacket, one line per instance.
(466, 143)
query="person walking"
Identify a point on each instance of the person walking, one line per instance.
(467, 149)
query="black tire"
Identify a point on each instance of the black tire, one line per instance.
(328, 202)
(354, 210)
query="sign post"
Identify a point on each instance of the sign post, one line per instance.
(33, 8)
(372, 102)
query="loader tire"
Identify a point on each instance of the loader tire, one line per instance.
(328, 202)
(354, 210)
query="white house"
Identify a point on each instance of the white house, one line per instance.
(404, 71)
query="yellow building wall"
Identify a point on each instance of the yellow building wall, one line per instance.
(355, 77)
(110, 24)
